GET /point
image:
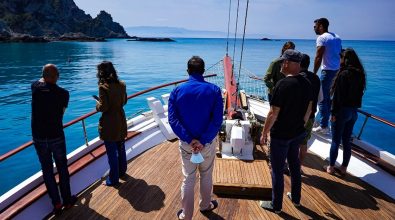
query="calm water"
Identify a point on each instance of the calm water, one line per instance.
(146, 64)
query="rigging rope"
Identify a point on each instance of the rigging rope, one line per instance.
(227, 39)
(242, 44)
(242, 50)
(234, 44)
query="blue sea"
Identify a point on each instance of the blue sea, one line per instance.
(146, 64)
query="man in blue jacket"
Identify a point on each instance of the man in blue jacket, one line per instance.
(195, 115)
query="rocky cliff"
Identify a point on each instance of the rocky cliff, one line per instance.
(50, 19)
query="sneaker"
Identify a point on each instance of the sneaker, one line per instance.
(321, 130)
(268, 205)
(72, 201)
(289, 195)
(180, 214)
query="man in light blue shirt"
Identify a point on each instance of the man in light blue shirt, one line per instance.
(328, 57)
(195, 115)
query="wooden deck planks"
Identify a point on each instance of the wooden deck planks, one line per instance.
(246, 178)
(152, 191)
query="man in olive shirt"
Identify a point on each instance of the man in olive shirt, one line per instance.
(273, 73)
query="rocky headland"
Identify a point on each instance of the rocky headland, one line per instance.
(54, 20)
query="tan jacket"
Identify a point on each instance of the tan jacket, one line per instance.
(112, 123)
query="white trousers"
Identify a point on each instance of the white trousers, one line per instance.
(189, 171)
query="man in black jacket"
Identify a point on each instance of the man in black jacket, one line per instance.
(49, 101)
(315, 85)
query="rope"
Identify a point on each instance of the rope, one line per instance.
(234, 44)
(242, 50)
(227, 38)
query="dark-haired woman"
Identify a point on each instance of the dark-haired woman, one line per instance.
(347, 91)
(112, 123)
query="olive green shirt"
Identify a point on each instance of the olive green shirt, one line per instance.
(273, 75)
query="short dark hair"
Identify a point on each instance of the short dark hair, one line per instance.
(323, 21)
(305, 63)
(196, 65)
(50, 70)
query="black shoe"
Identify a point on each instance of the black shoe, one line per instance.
(268, 205)
(286, 171)
(289, 195)
(213, 205)
(73, 199)
(57, 209)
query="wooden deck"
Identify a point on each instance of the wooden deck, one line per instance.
(152, 191)
(242, 178)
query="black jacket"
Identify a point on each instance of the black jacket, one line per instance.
(348, 90)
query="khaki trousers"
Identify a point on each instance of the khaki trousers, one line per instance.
(189, 171)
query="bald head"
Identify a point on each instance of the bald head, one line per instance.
(50, 73)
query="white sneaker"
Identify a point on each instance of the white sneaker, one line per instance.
(321, 130)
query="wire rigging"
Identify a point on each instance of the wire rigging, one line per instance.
(234, 44)
(242, 43)
(242, 51)
(227, 38)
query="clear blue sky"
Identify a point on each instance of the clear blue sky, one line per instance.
(351, 19)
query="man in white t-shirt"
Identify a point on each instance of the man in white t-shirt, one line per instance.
(327, 56)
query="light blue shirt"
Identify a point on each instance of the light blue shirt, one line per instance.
(196, 110)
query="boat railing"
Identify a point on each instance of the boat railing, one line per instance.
(377, 118)
(367, 115)
(84, 117)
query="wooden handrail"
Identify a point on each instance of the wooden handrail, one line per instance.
(27, 144)
(377, 118)
(15, 151)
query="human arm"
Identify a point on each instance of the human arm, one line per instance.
(103, 104)
(318, 58)
(339, 92)
(308, 112)
(268, 79)
(66, 101)
(125, 93)
(216, 119)
(271, 118)
(174, 120)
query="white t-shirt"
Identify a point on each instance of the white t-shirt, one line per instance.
(333, 46)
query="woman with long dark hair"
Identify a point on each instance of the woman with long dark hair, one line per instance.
(347, 91)
(112, 123)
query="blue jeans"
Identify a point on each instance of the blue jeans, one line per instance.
(341, 131)
(281, 149)
(117, 160)
(56, 148)
(325, 105)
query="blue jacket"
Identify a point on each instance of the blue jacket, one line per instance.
(196, 110)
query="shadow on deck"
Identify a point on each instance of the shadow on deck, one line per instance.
(152, 191)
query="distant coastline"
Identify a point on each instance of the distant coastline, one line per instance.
(45, 21)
